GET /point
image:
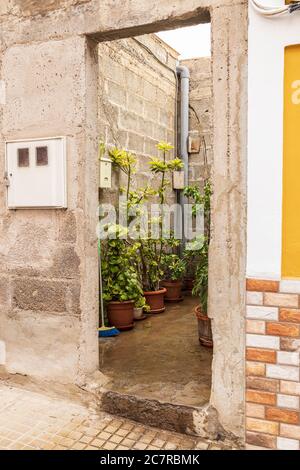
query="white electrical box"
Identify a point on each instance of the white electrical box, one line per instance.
(36, 173)
(178, 179)
(105, 173)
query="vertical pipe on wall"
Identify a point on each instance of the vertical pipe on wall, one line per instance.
(184, 74)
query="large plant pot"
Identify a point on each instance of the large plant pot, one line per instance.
(174, 289)
(189, 284)
(156, 300)
(120, 315)
(204, 328)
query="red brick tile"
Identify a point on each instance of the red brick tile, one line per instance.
(289, 315)
(262, 286)
(282, 415)
(267, 385)
(265, 398)
(261, 355)
(282, 329)
(261, 440)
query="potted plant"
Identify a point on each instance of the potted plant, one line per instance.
(174, 269)
(201, 289)
(121, 284)
(140, 307)
(201, 201)
(150, 249)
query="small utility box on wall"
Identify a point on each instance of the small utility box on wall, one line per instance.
(105, 173)
(36, 173)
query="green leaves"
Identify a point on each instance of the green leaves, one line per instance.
(174, 267)
(164, 146)
(124, 160)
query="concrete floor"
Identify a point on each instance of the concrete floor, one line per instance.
(161, 358)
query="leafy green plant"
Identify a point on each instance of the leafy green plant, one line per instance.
(201, 277)
(173, 266)
(120, 278)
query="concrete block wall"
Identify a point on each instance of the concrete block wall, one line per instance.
(137, 98)
(201, 116)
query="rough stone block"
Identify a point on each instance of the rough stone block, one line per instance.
(39, 295)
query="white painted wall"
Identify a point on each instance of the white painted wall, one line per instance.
(267, 39)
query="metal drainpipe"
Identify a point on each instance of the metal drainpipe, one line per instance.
(184, 74)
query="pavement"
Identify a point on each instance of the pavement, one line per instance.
(30, 420)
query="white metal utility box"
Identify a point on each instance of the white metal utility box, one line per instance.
(36, 173)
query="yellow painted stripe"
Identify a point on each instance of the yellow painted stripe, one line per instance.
(291, 165)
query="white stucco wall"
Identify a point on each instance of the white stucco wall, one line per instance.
(267, 40)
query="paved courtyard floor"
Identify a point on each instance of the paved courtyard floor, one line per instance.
(37, 421)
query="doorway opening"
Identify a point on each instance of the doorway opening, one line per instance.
(159, 359)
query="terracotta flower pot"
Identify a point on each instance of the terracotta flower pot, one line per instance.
(120, 314)
(138, 313)
(173, 293)
(189, 284)
(204, 328)
(156, 300)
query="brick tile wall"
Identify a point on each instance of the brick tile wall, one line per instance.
(272, 365)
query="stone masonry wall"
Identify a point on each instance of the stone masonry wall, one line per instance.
(201, 119)
(137, 99)
(272, 354)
